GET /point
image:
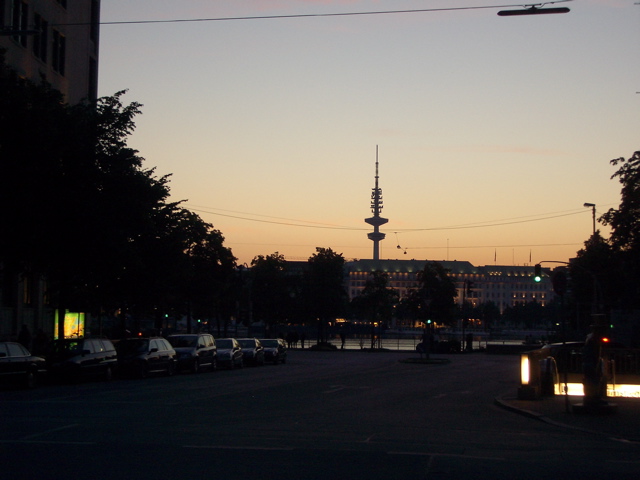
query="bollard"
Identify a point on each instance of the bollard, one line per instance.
(529, 388)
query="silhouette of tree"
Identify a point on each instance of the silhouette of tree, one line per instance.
(625, 228)
(324, 289)
(435, 296)
(85, 215)
(376, 302)
(270, 289)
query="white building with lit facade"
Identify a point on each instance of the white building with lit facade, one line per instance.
(505, 286)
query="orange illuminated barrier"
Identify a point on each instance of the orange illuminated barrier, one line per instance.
(613, 390)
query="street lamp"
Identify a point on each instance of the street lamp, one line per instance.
(593, 212)
(533, 10)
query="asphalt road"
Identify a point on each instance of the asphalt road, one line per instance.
(323, 415)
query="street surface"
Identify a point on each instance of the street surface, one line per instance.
(323, 415)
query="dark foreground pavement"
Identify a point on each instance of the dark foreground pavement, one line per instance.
(321, 416)
(557, 410)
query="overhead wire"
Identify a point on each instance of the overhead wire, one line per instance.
(316, 15)
(309, 224)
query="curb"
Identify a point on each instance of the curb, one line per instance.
(502, 403)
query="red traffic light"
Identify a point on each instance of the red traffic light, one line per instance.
(533, 11)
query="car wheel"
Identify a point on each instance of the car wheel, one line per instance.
(214, 365)
(195, 367)
(142, 371)
(31, 380)
(171, 369)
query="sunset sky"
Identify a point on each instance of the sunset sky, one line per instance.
(492, 131)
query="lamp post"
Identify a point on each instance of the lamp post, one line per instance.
(593, 213)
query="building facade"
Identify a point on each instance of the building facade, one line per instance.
(54, 40)
(505, 286)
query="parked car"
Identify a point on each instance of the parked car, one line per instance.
(275, 350)
(143, 356)
(229, 353)
(17, 365)
(252, 351)
(195, 351)
(75, 358)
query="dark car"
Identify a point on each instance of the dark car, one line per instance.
(17, 365)
(141, 357)
(275, 350)
(195, 351)
(75, 358)
(252, 351)
(229, 353)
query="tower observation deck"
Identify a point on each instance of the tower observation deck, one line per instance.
(376, 221)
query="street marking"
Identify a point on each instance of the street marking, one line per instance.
(222, 447)
(454, 455)
(47, 442)
(46, 432)
(337, 388)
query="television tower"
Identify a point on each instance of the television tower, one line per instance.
(376, 220)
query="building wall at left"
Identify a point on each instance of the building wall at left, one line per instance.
(54, 40)
(58, 41)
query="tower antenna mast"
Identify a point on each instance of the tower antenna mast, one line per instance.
(376, 221)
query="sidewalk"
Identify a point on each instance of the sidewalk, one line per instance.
(623, 425)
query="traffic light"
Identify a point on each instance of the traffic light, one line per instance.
(537, 274)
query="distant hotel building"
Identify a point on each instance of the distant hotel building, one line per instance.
(506, 286)
(54, 40)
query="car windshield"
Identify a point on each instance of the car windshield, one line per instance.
(66, 348)
(247, 343)
(270, 343)
(184, 341)
(224, 343)
(135, 345)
